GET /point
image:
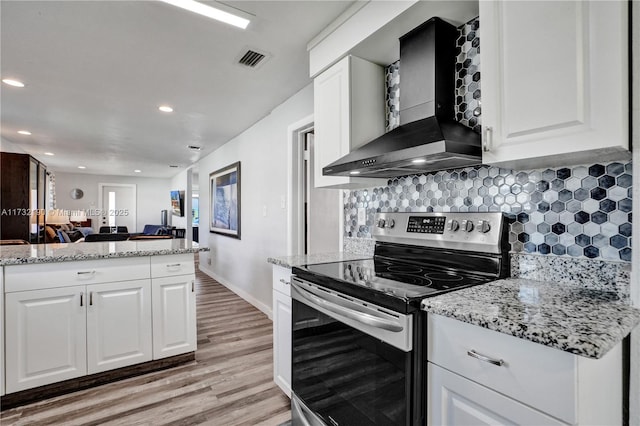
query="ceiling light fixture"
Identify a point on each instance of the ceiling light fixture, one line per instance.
(210, 12)
(355, 172)
(137, 171)
(49, 153)
(12, 82)
(24, 132)
(82, 167)
(165, 108)
(419, 160)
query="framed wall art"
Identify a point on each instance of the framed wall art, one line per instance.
(225, 201)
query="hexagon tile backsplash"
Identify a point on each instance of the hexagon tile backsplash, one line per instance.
(580, 211)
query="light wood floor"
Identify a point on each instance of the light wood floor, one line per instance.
(230, 383)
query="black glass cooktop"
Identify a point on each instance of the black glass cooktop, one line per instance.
(384, 281)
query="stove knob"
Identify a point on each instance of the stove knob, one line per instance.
(453, 225)
(484, 226)
(391, 223)
(467, 225)
(381, 223)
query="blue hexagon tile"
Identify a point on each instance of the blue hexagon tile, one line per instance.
(581, 211)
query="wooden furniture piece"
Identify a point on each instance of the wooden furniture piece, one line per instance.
(22, 197)
(13, 242)
(150, 237)
(282, 328)
(105, 237)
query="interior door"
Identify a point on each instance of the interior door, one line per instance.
(118, 206)
(323, 211)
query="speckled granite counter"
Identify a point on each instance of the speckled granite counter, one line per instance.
(291, 261)
(48, 253)
(582, 321)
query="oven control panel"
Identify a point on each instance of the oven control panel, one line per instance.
(426, 225)
(474, 231)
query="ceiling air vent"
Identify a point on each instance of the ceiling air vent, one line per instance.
(252, 58)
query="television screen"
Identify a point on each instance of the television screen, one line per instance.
(177, 203)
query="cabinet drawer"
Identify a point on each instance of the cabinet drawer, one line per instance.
(63, 274)
(282, 279)
(170, 265)
(541, 377)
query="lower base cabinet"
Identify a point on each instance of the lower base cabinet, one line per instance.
(455, 400)
(174, 315)
(282, 328)
(46, 337)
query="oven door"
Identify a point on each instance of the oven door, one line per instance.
(352, 362)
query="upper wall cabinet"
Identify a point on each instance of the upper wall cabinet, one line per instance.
(554, 82)
(348, 112)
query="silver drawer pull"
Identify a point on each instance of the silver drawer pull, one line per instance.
(82, 273)
(282, 280)
(174, 265)
(474, 354)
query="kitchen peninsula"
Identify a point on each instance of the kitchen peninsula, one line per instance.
(77, 315)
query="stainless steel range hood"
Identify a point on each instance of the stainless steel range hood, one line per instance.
(428, 137)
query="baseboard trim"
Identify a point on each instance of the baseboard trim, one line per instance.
(240, 292)
(40, 393)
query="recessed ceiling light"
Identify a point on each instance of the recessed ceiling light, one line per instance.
(12, 82)
(49, 153)
(210, 12)
(165, 108)
(355, 172)
(419, 160)
(82, 167)
(24, 132)
(137, 171)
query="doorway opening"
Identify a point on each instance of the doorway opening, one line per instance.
(117, 206)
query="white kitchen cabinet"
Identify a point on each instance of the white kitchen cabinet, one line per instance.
(2, 373)
(174, 315)
(118, 325)
(455, 400)
(282, 328)
(348, 112)
(533, 384)
(46, 332)
(555, 84)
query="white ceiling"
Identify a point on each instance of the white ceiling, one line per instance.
(96, 72)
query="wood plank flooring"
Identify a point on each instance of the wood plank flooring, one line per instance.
(229, 383)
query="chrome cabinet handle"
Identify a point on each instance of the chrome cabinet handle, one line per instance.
(81, 298)
(83, 273)
(282, 280)
(472, 353)
(173, 265)
(487, 138)
(90, 298)
(193, 286)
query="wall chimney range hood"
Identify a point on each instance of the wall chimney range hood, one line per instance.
(428, 138)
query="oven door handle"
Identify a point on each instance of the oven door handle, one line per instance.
(361, 317)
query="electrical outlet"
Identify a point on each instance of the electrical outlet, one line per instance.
(362, 216)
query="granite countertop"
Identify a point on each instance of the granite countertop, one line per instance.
(50, 253)
(309, 259)
(578, 320)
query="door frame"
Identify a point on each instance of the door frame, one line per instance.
(295, 192)
(101, 186)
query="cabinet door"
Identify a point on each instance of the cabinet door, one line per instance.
(282, 341)
(174, 316)
(455, 400)
(559, 95)
(331, 120)
(118, 325)
(45, 337)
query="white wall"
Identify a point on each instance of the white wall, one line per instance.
(242, 264)
(152, 195)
